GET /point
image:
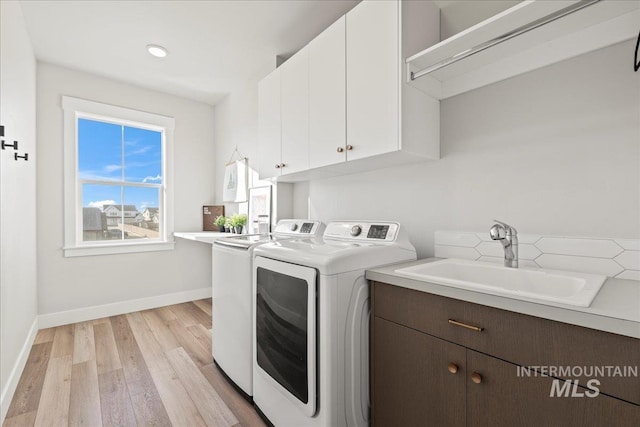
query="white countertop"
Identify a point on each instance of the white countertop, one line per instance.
(202, 236)
(615, 309)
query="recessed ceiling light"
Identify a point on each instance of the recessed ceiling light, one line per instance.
(157, 51)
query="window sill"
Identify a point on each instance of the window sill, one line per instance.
(112, 249)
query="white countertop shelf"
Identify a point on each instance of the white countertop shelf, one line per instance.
(202, 236)
(593, 27)
(615, 309)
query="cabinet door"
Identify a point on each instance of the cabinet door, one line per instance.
(373, 78)
(502, 398)
(327, 96)
(295, 112)
(269, 131)
(412, 384)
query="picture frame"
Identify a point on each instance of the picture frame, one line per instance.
(235, 182)
(259, 204)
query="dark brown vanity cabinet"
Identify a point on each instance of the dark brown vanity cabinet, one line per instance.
(437, 361)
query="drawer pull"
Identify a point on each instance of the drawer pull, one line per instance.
(464, 325)
(476, 378)
(453, 368)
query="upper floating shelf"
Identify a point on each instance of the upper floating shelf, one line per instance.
(495, 54)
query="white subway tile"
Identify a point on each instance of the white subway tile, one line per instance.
(529, 239)
(629, 244)
(522, 238)
(629, 274)
(490, 249)
(443, 251)
(604, 266)
(525, 251)
(454, 238)
(599, 248)
(629, 260)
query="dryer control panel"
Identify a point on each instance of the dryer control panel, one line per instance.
(299, 227)
(378, 231)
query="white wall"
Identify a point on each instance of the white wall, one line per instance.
(76, 283)
(554, 152)
(18, 284)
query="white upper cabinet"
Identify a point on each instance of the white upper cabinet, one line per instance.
(372, 78)
(295, 112)
(269, 126)
(345, 104)
(327, 97)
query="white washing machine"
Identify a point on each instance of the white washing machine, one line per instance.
(311, 322)
(232, 346)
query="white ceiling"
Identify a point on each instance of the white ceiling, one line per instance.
(214, 45)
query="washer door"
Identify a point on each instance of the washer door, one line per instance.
(285, 328)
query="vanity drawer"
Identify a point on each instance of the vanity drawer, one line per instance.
(518, 338)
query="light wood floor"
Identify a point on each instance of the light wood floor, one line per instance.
(152, 367)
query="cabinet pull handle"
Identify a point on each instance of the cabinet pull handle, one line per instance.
(282, 165)
(349, 147)
(340, 149)
(464, 325)
(476, 378)
(278, 166)
(453, 368)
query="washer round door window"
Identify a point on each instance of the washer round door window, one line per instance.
(285, 323)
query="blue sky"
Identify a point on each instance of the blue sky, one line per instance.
(111, 152)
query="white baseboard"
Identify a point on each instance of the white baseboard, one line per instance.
(98, 311)
(16, 372)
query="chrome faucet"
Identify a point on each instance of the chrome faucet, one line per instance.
(508, 236)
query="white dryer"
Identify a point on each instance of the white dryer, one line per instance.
(311, 322)
(232, 297)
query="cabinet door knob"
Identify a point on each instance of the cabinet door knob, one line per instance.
(453, 368)
(476, 378)
(349, 147)
(340, 149)
(277, 165)
(282, 165)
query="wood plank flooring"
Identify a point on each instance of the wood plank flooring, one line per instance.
(149, 368)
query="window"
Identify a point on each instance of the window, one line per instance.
(117, 179)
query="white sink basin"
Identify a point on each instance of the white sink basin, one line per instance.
(578, 289)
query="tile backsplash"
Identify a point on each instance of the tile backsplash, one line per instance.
(612, 257)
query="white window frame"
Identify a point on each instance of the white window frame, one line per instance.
(75, 108)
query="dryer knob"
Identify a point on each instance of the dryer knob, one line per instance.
(293, 227)
(356, 230)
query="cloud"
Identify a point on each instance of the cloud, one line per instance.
(152, 178)
(101, 203)
(111, 168)
(141, 150)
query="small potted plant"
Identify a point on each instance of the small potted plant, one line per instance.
(238, 221)
(227, 224)
(220, 220)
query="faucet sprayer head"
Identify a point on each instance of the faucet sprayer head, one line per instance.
(497, 232)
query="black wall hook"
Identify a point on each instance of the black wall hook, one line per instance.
(636, 64)
(14, 145)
